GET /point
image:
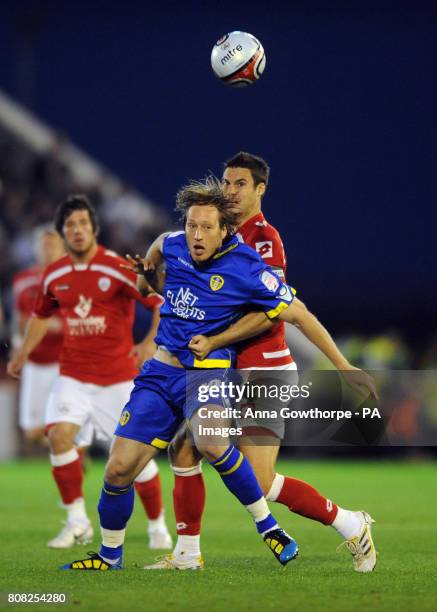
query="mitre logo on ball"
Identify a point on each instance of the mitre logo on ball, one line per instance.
(238, 59)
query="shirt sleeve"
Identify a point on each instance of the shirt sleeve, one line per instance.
(45, 303)
(268, 245)
(267, 291)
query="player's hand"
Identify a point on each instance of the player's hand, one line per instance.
(201, 346)
(138, 264)
(15, 365)
(360, 381)
(142, 352)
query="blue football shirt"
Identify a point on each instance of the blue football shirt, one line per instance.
(206, 299)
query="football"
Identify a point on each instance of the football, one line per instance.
(238, 59)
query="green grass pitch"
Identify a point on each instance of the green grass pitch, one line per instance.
(240, 572)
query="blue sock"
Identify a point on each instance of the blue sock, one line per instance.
(239, 477)
(115, 509)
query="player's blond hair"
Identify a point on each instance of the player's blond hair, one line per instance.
(207, 193)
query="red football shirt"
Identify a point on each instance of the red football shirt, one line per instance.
(96, 303)
(25, 286)
(269, 349)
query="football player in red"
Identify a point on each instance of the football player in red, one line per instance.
(95, 299)
(245, 181)
(42, 366)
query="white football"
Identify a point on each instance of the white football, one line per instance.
(238, 59)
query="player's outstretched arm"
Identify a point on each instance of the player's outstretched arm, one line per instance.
(252, 324)
(297, 314)
(149, 269)
(36, 329)
(145, 349)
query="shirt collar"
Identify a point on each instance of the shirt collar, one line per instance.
(259, 217)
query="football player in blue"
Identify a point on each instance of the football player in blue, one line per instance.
(209, 277)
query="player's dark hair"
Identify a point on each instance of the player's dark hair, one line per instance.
(258, 167)
(69, 206)
(207, 193)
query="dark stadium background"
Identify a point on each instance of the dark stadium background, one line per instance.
(345, 114)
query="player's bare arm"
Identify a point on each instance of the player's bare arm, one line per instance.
(145, 349)
(251, 325)
(310, 326)
(149, 269)
(36, 329)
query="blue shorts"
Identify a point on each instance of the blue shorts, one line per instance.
(161, 399)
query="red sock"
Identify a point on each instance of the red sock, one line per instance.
(69, 479)
(303, 499)
(188, 503)
(150, 495)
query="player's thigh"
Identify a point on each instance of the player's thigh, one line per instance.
(182, 451)
(263, 461)
(68, 402)
(36, 383)
(206, 408)
(149, 416)
(210, 434)
(68, 409)
(126, 460)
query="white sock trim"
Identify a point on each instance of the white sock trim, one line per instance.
(347, 524)
(112, 538)
(157, 524)
(187, 546)
(148, 472)
(64, 458)
(189, 471)
(276, 488)
(76, 511)
(259, 510)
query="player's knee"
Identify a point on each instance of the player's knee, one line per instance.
(211, 452)
(183, 454)
(119, 471)
(59, 441)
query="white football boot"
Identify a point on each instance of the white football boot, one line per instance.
(71, 534)
(361, 546)
(170, 562)
(160, 538)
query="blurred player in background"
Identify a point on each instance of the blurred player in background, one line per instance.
(98, 362)
(42, 367)
(245, 180)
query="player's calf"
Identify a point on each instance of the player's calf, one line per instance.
(238, 476)
(116, 503)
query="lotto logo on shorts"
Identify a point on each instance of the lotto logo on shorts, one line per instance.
(125, 416)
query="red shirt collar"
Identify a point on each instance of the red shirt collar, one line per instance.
(259, 217)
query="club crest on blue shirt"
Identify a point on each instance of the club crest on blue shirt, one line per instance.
(124, 418)
(216, 282)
